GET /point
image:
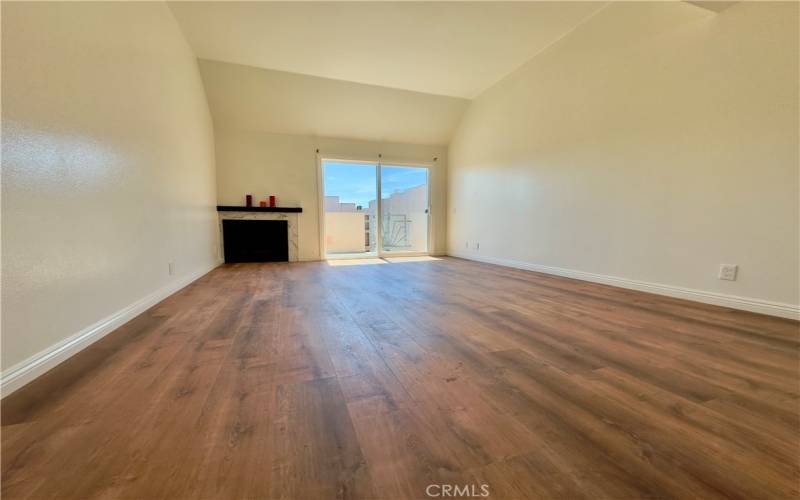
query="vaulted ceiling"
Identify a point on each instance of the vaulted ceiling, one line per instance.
(380, 71)
(244, 97)
(454, 49)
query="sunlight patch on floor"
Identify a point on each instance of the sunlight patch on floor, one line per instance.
(419, 258)
(376, 260)
(356, 262)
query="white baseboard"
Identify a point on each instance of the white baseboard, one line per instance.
(24, 372)
(744, 303)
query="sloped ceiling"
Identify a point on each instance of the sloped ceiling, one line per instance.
(249, 98)
(714, 5)
(448, 48)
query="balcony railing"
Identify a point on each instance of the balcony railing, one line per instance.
(355, 232)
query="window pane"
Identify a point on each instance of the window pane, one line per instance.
(404, 206)
(350, 208)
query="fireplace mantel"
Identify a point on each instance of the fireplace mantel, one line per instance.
(224, 208)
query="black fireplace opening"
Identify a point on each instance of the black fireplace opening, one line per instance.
(255, 240)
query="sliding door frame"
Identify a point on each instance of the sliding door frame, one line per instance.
(377, 162)
(412, 164)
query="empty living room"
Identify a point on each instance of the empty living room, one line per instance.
(400, 250)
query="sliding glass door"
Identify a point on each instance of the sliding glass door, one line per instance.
(350, 208)
(371, 209)
(404, 209)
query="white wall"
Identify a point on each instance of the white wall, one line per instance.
(108, 167)
(260, 163)
(653, 143)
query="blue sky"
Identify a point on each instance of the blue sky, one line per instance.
(355, 182)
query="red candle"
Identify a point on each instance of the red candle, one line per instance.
(249, 200)
(272, 201)
(262, 204)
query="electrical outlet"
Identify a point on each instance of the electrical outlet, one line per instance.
(477, 245)
(171, 268)
(728, 272)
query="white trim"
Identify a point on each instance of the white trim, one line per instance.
(320, 207)
(719, 299)
(378, 209)
(26, 371)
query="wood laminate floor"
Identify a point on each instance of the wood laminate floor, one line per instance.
(304, 381)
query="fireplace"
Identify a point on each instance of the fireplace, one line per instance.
(255, 240)
(290, 217)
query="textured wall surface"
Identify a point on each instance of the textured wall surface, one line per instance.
(655, 142)
(108, 166)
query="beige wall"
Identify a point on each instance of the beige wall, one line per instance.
(445, 48)
(653, 143)
(108, 167)
(262, 163)
(287, 103)
(269, 124)
(344, 232)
